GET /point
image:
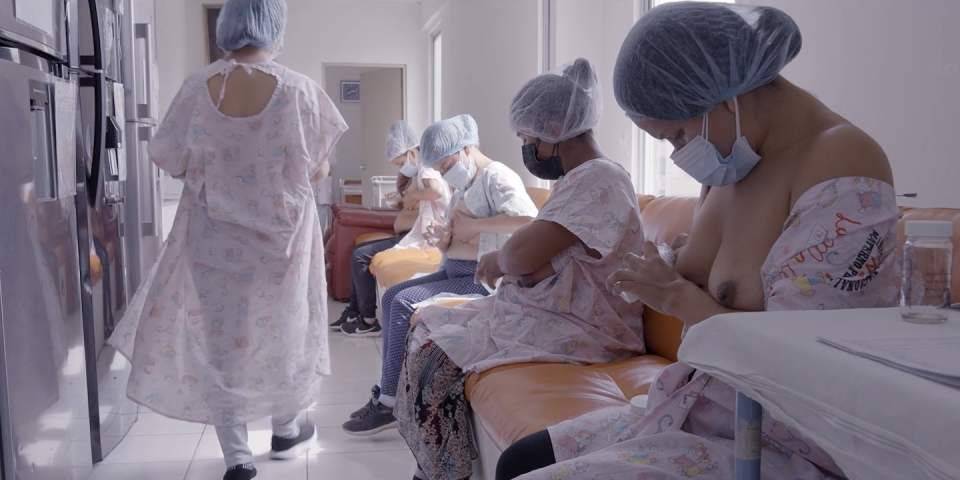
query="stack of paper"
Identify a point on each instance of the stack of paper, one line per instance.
(934, 358)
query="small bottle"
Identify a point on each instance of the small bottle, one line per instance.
(926, 280)
(638, 405)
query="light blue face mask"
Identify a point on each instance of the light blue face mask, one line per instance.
(408, 169)
(702, 161)
(459, 176)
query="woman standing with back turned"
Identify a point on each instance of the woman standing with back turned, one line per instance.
(231, 323)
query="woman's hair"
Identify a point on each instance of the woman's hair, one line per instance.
(447, 137)
(400, 139)
(251, 23)
(558, 105)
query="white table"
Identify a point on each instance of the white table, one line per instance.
(876, 422)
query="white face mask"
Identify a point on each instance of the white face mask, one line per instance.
(702, 161)
(277, 50)
(408, 169)
(459, 176)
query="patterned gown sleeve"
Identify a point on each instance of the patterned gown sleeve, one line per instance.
(595, 204)
(169, 147)
(837, 249)
(322, 127)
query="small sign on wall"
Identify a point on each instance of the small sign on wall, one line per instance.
(350, 92)
(210, 15)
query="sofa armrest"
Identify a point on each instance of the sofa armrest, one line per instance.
(364, 217)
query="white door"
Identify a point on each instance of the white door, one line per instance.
(381, 103)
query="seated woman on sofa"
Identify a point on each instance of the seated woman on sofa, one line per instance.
(489, 205)
(423, 202)
(798, 213)
(552, 305)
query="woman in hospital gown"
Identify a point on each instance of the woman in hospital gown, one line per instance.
(230, 325)
(553, 305)
(798, 213)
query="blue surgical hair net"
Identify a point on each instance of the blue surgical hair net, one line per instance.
(558, 105)
(400, 139)
(681, 59)
(256, 23)
(447, 137)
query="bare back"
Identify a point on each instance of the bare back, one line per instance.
(247, 93)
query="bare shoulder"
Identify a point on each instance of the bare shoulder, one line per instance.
(842, 150)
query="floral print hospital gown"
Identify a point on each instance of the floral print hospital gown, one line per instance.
(570, 317)
(231, 323)
(836, 251)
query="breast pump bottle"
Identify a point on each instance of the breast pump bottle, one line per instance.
(927, 264)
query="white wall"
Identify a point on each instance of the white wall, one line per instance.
(318, 32)
(893, 69)
(595, 29)
(490, 49)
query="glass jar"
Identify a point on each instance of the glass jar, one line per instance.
(927, 262)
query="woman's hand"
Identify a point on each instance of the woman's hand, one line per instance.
(679, 242)
(488, 270)
(649, 279)
(409, 203)
(438, 235)
(464, 227)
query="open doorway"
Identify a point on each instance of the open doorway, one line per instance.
(370, 98)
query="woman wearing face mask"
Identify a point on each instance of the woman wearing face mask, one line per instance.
(422, 203)
(793, 196)
(552, 305)
(231, 323)
(490, 203)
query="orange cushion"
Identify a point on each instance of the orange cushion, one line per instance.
(372, 237)
(539, 196)
(514, 401)
(96, 269)
(395, 266)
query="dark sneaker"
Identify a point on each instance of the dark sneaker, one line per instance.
(240, 472)
(282, 448)
(373, 420)
(346, 317)
(372, 403)
(362, 329)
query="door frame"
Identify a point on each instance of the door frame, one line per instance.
(403, 78)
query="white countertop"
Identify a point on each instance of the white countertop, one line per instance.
(876, 421)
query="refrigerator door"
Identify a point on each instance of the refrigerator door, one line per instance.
(37, 24)
(44, 430)
(143, 213)
(107, 24)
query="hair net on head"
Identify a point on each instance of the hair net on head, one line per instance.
(400, 139)
(447, 137)
(683, 58)
(558, 105)
(256, 23)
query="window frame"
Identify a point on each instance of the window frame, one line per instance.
(436, 76)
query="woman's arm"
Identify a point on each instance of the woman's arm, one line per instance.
(432, 191)
(658, 286)
(533, 247)
(501, 223)
(692, 305)
(322, 173)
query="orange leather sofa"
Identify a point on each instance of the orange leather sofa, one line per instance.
(351, 222)
(513, 401)
(394, 266)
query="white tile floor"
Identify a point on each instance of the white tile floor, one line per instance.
(158, 448)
